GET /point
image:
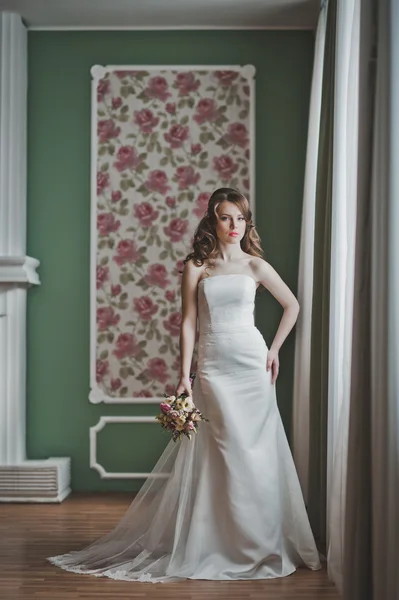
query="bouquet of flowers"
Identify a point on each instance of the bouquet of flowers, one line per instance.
(179, 415)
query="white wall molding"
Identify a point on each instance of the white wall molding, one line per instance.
(18, 476)
(96, 396)
(171, 28)
(173, 15)
(19, 269)
(94, 464)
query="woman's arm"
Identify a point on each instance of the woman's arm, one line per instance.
(276, 286)
(188, 323)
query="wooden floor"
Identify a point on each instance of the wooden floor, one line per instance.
(30, 532)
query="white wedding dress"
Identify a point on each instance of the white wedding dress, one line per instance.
(231, 507)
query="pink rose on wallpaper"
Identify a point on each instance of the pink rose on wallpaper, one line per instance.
(170, 295)
(106, 223)
(157, 88)
(179, 267)
(171, 108)
(102, 89)
(106, 129)
(102, 368)
(173, 323)
(237, 134)
(145, 307)
(122, 74)
(145, 213)
(176, 364)
(226, 78)
(156, 369)
(176, 229)
(196, 149)
(187, 83)
(102, 275)
(246, 184)
(206, 111)
(117, 102)
(126, 158)
(177, 135)
(170, 389)
(171, 202)
(143, 394)
(157, 182)
(106, 318)
(126, 345)
(102, 182)
(115, 384)
(126, 251)
(116, 196)
(157, 275)
(246, 90)
(201, 204)
(116, 290)
(186, 176)
(146, 120)
(225, 166)
(247, 154)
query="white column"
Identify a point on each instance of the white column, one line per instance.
(19, 479)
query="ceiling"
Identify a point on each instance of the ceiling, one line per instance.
(65, 14)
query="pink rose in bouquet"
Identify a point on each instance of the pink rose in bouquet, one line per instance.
(179, 415)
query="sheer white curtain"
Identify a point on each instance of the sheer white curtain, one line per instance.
(343, 234)
(300, 417)
(345, 149)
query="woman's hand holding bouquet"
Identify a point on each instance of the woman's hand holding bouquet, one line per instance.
(178, 413)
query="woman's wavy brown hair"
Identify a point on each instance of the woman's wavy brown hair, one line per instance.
(205, 243)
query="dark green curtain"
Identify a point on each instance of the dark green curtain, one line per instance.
(318, 401)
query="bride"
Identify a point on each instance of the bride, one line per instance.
(226, 505)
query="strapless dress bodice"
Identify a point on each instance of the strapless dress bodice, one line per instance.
(226, 303)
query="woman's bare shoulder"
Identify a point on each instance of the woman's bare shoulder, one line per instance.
(260, 268)
(193, 272)
(191, 267)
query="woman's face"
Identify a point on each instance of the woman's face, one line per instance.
(231, 224)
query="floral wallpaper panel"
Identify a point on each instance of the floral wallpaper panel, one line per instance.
(165, 139)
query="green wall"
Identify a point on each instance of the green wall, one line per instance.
(59, 413)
